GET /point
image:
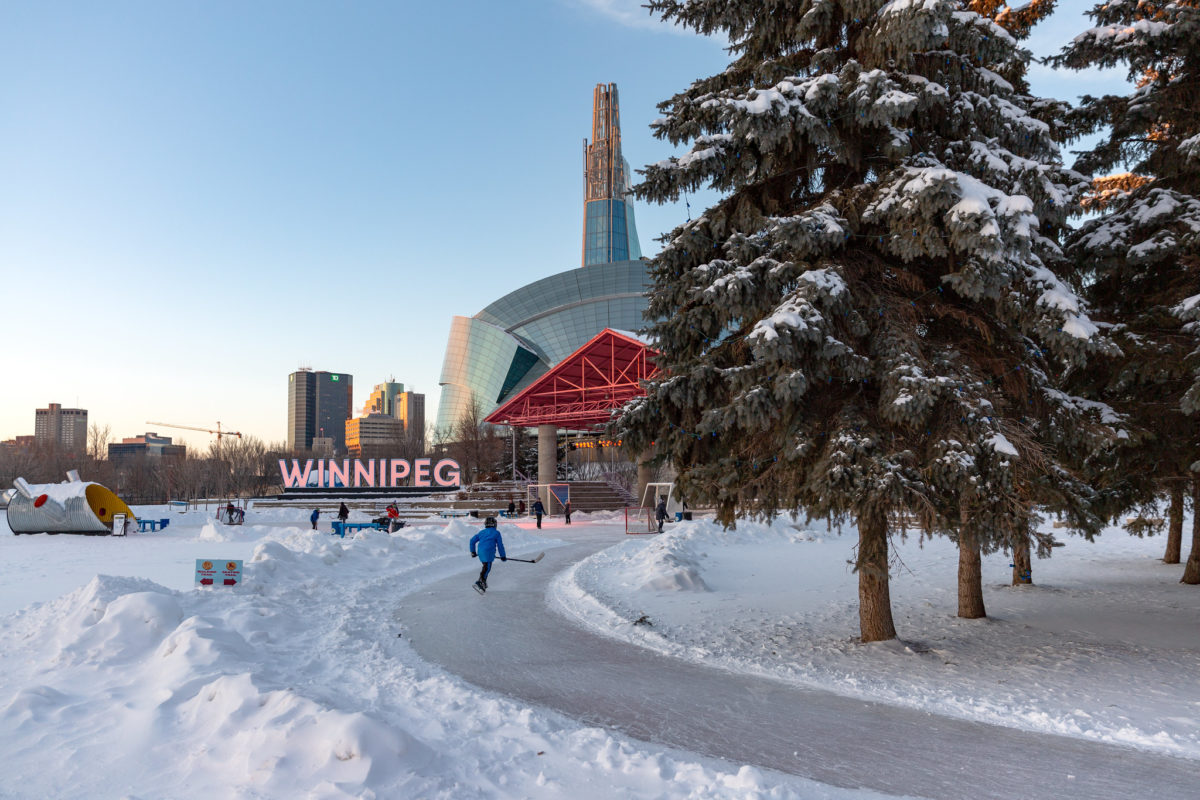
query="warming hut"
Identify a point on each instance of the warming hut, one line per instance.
(72, 507)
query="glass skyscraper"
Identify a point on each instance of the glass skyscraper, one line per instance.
(502, 349)
(609, 232)
(318, 406)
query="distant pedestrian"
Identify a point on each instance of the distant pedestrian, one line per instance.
(343, 512)
(660, 512)
(313, 517)
(567, 511)
(489, 542)
(539, 510)
(521, 508)
(512, 508)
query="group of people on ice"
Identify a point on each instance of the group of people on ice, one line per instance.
(538, 510)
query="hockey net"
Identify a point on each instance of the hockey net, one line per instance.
(554, 496)
(662, 491)
(639, 519)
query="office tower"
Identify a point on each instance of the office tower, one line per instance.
(319, 404)
(65, 428)
(410, 409)
(373, 433)
(149, 444)
(609, 232)
(383, 399)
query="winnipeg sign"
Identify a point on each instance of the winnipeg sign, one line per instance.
(379, 473)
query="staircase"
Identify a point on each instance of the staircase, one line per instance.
(595, 496)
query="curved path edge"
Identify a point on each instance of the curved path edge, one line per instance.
(514, 642)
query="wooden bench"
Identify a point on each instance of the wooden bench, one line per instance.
(454, 512)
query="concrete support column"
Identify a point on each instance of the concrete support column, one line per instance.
(645, 474)
(547, 461)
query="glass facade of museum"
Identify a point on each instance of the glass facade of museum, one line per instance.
(517, 339)
(502, 349)
(610, 233)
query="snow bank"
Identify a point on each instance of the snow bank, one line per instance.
(300, 683)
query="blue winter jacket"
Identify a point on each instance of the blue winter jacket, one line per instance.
(488, 541)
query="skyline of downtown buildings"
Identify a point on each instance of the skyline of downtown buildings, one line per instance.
(514, 340)
(142, 151)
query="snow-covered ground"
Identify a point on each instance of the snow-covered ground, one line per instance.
(1105, 645)
(119, 679)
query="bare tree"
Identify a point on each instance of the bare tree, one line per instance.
(476, 445)
(97, 441)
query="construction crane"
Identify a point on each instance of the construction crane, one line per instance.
(218, 431)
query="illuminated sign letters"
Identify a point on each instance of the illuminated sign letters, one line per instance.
(372, 473)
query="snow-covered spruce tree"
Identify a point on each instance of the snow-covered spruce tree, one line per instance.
(865, 323)
(1140, 257)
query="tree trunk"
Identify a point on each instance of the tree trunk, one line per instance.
(874, 599)
(970, 576)
(1022, 563)
(1175, 529)
(1191, 571)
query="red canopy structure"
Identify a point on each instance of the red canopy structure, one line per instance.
(582, 390)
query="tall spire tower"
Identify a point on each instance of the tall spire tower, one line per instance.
(609, 233)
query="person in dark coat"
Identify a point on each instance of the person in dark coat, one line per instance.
(521, 508)
(486, 544)
(539, 510)
(660, 511)
(314, 516)
(567, 511)
(343, 512)
(512, 508)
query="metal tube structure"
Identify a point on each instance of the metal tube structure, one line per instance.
(72, 507)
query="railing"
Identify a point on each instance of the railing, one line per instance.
(615, 484)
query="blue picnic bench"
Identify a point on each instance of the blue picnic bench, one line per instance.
(342, 528)
(509, 514)
(152, 524)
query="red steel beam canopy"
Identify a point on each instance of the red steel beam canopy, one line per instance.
(583, 389)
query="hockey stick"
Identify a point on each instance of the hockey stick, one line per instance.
(533, 560)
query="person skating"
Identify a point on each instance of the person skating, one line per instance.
(486, 544)
(567, 511)
(314, 516)
(539, 510)
(660, 512)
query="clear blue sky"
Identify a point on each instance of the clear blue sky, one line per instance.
(196, 198)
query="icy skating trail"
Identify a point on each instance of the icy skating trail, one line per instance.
(512, 642)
